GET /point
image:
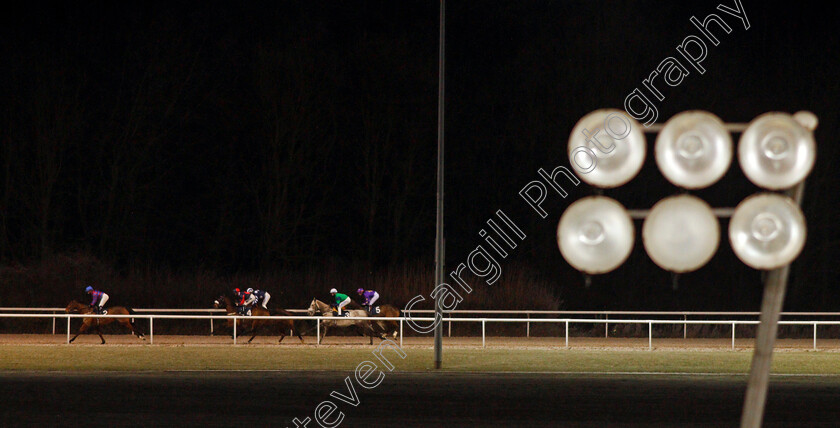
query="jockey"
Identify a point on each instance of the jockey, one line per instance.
(370, 297)
(260, 296)
(245, 299)
(341, 300)
(99, 299)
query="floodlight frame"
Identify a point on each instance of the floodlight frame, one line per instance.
(775, 286)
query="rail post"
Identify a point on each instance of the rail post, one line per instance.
(449, 332)
(211, 326)
(234, 329)
(151, 330)
(528, 326)
(607, 326)
(685, 326)
(483, 344)
(401, 332)
(567, 333)
(733, 335)
(318, 331)
(68, 330)
(815, 336)
(650, 335)
(53, 323)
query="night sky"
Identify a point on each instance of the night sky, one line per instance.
(280, 135)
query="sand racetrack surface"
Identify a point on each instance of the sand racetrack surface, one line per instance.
(405, 399)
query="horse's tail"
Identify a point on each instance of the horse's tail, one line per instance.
(131, 320)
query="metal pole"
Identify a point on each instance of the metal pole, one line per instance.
(650, 336)
(439, 248)
(733, 336)
(234, 329)
(449, 333)
(68, 330)
(815, 336)
(401, 332)
(528, 326)
(211, 326)
(771, 305)
(53, 323)
(483, 345)
(567, 334)
(771, 308)
(685, 326)
(151, 331)
(318, 332)
(606, 326)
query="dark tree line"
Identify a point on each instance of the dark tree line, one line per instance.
(264, 137)
(202, 143)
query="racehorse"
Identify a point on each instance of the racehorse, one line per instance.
(362, 327)
(254, 326)
(287, 325)
(387, 326)
(79, 308)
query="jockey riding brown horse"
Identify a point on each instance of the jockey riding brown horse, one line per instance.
(386, 327)
(80, 308)
(253, 326)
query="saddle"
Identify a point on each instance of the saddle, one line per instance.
(373, 309)
(344, 313)
(244, 311)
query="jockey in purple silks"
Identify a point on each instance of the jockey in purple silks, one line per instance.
(99, 299)
(370, 297)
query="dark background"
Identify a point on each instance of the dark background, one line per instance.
(166, 152)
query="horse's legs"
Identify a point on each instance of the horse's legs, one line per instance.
(361, 331)
(136, 330)
(82, 329)
(127, 324)
(296, 332)
(323, 335)
(230, 326)
(254, 328)
(99, 332)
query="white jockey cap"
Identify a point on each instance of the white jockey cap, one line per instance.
(333, 291)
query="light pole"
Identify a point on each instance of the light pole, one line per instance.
(439, 248)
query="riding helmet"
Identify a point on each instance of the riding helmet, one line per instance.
(88, 289)
(360, 290)
(333, 291)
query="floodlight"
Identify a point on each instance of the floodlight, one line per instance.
(693, 150)
(595, 234)
(807, 119)
(607, 148)
(767, 231)
(681, 234)
(776, 151)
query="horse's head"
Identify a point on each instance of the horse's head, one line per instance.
(75, 307)
(220, 302)
(313, 307)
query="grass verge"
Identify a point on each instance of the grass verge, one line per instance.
(161, 358)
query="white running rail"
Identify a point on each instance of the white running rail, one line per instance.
(565, 321)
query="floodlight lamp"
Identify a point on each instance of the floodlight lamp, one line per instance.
(607, 148)
(767, 231)
(595, 234)
(693, 150)
(681, 233)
